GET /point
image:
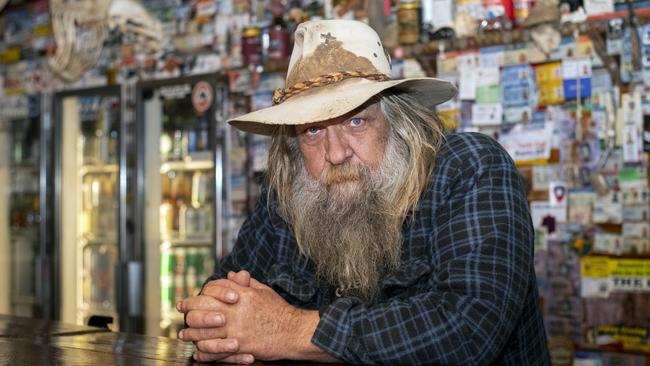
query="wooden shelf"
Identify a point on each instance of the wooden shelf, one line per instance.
(186, 165)
(613, 348)
(99, 169)
(641, 13)
(518, 35)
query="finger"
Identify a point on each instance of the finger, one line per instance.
(218, 345)
(200, 302)
(225, 283)
(204, 319)
(200, 334)
(241, 359)
(242, 278)
(222, 293)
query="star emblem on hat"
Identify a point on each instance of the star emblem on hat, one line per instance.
(328, 37)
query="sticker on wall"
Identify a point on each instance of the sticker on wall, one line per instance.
(558, 193)
(202, 96)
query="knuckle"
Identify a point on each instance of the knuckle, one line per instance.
(204, 357)
(189, 334)
(241, 359)
(207, 333)
(203, 346)
(220, 293)
(190, 319)
(210, 346)
(214, 290)
(219, 283)
(186, 305)
(203, 301)
(197, 319)
(246, 296)
(210, 285)
(198, 334)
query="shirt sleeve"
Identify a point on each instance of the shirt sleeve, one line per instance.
(483, 235)
(253, 247)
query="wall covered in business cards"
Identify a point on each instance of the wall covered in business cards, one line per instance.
(562, 86)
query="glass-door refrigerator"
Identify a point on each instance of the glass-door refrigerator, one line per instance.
(90, 205)
(25, 275)
(181, 195)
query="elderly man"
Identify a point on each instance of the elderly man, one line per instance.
(377, 239)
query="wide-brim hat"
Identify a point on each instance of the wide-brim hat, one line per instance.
(336, 66)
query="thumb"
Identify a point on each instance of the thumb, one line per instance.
(257, 284)
(242, 278)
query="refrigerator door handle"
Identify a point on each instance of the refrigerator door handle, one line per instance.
(135, 279)
(128, 290)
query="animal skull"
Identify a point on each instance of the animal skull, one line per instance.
(130, 17)
(81, 26)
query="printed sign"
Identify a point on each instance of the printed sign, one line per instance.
(175, 91)
(531, 146)
(202, 96)
(629, 275)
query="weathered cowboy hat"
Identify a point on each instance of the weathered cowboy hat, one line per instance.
(336, 66)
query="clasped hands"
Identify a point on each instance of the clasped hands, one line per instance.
(239, 319)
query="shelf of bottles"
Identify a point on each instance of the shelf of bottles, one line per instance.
(186, 209)
(98, 213)
(247, 163)
(24, 214)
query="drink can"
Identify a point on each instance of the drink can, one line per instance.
(192, 140)
(191, 278)
(167, 264)
(408, 15)
(279, 43)
(180, 290)
(522, 9)
(208, 262)
(252, 46)
(200, 265)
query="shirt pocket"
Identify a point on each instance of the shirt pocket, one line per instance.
(412, 276)
(294, 285)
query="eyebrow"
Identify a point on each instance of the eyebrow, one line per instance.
(363, 113)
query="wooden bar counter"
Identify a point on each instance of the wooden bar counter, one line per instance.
(25, 341)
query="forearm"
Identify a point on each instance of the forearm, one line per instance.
(432, 328)
(302, 326)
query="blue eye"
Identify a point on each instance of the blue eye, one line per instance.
(356, 122)
(312, 130)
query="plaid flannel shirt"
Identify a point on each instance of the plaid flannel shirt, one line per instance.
(465, 291)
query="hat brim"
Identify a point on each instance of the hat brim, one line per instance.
(331, 101)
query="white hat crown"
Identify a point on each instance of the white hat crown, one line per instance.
(331, 46)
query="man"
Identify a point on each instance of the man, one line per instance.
(377, 239)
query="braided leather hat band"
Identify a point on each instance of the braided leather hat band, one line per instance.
(280, 95)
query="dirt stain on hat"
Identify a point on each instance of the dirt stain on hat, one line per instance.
(329, 57)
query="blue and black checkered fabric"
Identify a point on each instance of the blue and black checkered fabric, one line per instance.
(465, 292)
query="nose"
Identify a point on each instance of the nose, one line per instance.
(337, 148)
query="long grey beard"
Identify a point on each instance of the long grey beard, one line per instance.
(350, 230)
